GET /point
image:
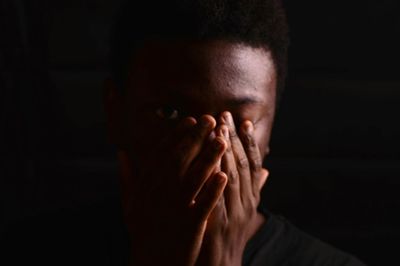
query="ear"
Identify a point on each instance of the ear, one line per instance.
(113, 107)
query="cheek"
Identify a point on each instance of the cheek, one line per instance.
(143, 132)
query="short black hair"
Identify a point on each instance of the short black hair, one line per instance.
(258, 23)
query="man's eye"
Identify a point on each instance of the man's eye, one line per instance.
(167, 112)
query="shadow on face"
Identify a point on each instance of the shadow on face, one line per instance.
(170, 80)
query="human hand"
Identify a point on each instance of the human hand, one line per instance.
(169, 198)
(235, 219)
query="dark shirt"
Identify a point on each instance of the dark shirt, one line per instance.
(280, 243)
(96, 235)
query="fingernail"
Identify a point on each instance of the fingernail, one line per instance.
(221, 177)
(205, 122)
(189, 122)
(249, 127)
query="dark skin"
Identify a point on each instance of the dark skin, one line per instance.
(192, 128)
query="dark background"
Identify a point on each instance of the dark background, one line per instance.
(335, 161)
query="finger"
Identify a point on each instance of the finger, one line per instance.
(203, 168)
(260, 184)
(263, 178)
(253, 155)
(209, 196)
(218, 166)
(191, 144)
(218, 216)
(160, 150)
(228, 166)
(182, 129)
(241, 160)
(175, 136)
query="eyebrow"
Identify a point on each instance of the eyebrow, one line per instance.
(244, 101)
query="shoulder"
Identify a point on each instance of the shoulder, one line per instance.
(281, 243)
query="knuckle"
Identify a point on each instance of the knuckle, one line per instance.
(257, 163)
(247, 209)
(233, 134)
(247, 138)
(228, 147)
(250, 208)
(250, 141)
(237, 218)
(233, 176)
(232, 131)
(243, 163)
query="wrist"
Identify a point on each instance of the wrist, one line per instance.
(212, 254)
(235, 260)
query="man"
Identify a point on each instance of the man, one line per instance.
(190, 106)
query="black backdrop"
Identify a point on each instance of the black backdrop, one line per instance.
(335, 162)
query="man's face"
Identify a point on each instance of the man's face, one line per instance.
(171, 80)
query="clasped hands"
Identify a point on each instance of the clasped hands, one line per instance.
(194, 198)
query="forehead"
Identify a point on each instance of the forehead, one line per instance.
(212, 70)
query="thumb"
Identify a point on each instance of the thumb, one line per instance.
(263, 178)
